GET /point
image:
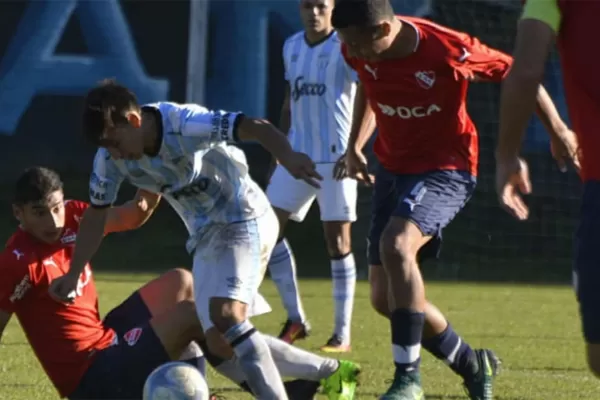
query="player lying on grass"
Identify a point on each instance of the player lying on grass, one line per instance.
(89, 358)
(572, 25)
(318, 79)
(414, 76)
(183, 152)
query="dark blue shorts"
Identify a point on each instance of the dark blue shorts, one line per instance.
(430, 200)
(120, 371)
(586, 276)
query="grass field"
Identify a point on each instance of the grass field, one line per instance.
(534, 329)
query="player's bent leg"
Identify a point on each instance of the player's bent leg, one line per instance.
(120, 370)
(282, 267)
(586, 272)
(170, 288)
(227, 273)
(343, 274)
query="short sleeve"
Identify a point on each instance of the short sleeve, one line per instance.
(16, 279)
(75, 208)
(546, 11)
(105, 180)
(205, 127)
(472, 59)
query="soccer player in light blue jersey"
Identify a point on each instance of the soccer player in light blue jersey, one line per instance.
(182, 151)
(317, 113)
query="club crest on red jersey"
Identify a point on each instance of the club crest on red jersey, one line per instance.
(425, 79)
(132, 336)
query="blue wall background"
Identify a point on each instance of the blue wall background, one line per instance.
(52, 51)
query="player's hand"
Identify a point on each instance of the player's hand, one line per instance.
(339, 169)
(300, 166)
(512, 181)
(356, 167)
(565, 147)
(64, 288)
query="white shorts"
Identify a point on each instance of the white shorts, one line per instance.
(337, 199)
(232, 264)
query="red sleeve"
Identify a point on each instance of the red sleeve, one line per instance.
(75, 208)
(472, 59)
(16, 279)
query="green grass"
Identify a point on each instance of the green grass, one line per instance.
(534, 329)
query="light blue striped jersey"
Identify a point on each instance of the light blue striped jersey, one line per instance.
(204, 178)
(322, 90)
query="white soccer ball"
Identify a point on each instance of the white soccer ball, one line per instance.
(176, 381)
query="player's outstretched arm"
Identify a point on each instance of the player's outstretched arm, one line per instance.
(133, 214)
(299, 165)
(363, 126)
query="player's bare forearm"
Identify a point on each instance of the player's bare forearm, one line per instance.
(363, 121)
(89, 237)
(521, 89)
(548, 114)
(286, 116)
(266, 134)
(133, 214)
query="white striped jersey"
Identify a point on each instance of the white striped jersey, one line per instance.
(205, 179)
(322, 90)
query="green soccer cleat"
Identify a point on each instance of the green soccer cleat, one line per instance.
(480, 387)
(341, 385)
(406, 386)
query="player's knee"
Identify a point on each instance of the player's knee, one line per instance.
(396, 244)
(183, 280)
(226, 313)
(338, 245)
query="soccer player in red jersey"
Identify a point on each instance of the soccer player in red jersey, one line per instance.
(85, 357)
(414, 76)
(572, 24)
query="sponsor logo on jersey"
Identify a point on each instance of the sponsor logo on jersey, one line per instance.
(68, 236)
(302, 88)
(408, 112)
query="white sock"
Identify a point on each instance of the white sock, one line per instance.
(282, 267)
(254, 359)
(293, 362)
(343, 273)
(193, 355)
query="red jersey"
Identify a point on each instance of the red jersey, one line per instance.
(64, 338)
(420, 100)
(581, 63)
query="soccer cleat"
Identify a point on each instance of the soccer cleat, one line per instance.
(406, 386)
(293, 330)
(480, 387)
(341, 385)
(335, 345)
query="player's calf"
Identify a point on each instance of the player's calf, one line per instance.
(254, 358)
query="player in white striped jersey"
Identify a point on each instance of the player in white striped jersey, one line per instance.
(317, 112)
(182, 152)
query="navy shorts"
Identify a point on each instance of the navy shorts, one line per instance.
(120, 371)
(586, 273)
(430, 200)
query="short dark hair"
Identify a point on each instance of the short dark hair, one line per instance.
(35, 184)
(106, 104)
(361, 13)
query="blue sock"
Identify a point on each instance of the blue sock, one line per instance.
(407, 330)
(450, 348)
(198, 362)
